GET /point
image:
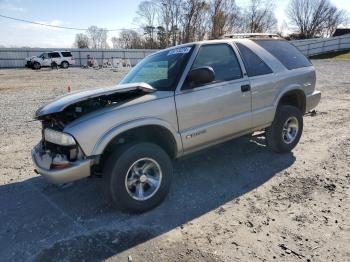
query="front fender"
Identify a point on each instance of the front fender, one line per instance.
(105, 138)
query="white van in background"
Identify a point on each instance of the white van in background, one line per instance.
(64, 59)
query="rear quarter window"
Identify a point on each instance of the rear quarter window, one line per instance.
(252, 62)
(286, 53)
(66, 54)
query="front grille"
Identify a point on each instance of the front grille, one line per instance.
(69, 151)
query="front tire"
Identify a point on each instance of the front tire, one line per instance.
(286, 129)
(36, 66)
(138, 176)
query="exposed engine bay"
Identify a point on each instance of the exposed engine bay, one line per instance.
(74, 111)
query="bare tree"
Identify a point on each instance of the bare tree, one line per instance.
(162, 37)
(116, 42)
(130, 39)
(81, 41)
(147, 13)
(224, 16)
(259, 16)
(164, 20)
(175, 11)
(97, 37)
(169, 18)
(338, 17)
(314, 18)
(192, 11)
(202, 24)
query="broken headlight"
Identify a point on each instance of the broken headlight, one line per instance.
(58, 138)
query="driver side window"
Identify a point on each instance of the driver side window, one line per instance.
(45, 56)
(222, 59)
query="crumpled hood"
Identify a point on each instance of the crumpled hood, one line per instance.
(63, 102)
(30, 58)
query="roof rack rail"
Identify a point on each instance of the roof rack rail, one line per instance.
(252, 35)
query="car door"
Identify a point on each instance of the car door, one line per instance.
(55, 57)
(263, 82)
(46, 60)
(216, 111)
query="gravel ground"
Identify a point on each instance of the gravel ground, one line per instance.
(234, 202)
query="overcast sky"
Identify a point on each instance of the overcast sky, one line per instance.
(81, 14)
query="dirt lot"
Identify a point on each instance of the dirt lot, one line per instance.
(234, 202)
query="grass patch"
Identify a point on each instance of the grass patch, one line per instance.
(341, 55)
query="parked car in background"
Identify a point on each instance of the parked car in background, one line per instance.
(175, 102)
(64, 59)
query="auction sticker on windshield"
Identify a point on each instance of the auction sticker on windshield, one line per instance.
(182, 50)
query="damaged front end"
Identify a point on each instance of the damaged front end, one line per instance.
(58, 157)
(56, 168)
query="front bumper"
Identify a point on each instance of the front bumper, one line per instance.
(77, 170)
(312, 100)
(29, 64)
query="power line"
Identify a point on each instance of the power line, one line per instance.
(57, 26)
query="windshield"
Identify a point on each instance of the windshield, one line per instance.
(161, 70)
(44, 56)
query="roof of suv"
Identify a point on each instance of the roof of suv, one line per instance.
(232, 37)
(254, 36)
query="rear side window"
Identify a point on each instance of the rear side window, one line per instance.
(66, 54)
(54, 55)
(222, 59)
(253, 63)
(286, 53)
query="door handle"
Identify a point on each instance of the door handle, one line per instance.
(245, 88)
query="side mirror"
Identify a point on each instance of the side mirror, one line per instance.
(200, 76)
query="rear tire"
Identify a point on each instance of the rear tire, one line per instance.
(286, 129)
(138, 176)
(64, 64)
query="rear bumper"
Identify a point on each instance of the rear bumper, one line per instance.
(312, 100)
(77, 170)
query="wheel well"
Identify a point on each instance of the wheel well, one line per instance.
(150, 133)
(294, 98)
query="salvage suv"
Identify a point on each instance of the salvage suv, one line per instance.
(64, 59)
(175, 102)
